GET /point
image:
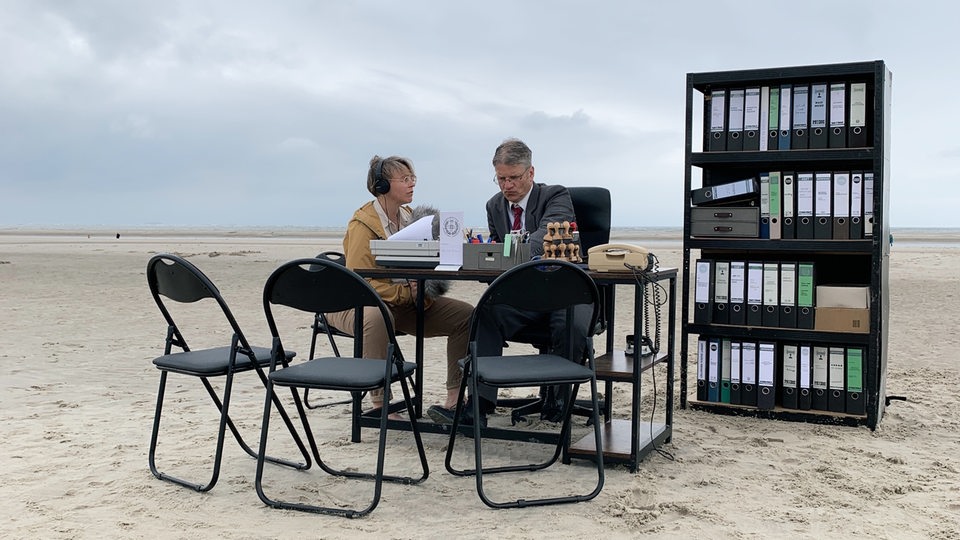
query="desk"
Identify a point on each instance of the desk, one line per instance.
(623, 440)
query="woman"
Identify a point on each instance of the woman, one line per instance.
(391, 181)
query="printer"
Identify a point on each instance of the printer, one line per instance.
(406, 253)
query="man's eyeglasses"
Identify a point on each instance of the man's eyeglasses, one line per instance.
(410, 180)
(512, 179)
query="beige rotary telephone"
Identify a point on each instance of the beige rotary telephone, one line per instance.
(617, 258)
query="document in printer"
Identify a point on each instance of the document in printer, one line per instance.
(421, 229)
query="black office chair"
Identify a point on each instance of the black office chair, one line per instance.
(178, 282)
(591, 207)
(544, 286)
(323, 286)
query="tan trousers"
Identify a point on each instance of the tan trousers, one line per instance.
(444, 317)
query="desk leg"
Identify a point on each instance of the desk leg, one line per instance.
(418, 385)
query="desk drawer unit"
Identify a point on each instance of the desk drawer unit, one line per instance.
(725, 221)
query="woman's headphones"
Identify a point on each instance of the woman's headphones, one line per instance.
(380, 184)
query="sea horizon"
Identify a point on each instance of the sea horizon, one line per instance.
(932, 236)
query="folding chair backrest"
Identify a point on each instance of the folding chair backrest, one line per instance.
(177, 279)
(544, 285)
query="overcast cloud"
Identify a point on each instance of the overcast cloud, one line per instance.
(239, 113)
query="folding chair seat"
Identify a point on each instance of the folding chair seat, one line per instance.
(323, 286)
(543, 286)
(173, 281)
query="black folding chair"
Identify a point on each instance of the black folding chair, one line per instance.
(322, 326)
(323, 286)
(544, 286)
(176, 280)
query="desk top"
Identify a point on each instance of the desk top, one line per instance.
(490, 275)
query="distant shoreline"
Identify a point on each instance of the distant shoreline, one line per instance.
(658, 235)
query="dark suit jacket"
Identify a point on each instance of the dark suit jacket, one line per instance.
(547, 204)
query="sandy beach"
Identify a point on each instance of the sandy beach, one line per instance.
(78, 395)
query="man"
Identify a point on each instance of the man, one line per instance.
(528, 207)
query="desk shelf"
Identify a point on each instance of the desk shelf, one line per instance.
(615, 438)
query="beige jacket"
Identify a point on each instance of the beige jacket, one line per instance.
(365, 226)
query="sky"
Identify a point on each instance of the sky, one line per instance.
(233, 113)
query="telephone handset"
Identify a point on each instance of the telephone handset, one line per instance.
(617, 258)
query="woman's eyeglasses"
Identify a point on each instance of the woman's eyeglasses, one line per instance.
(409, 180)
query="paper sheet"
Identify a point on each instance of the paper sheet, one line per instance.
(421, 229)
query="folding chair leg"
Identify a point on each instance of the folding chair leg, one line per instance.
(224, 419)
(378, 477)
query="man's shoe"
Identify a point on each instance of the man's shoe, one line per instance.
(443, 415)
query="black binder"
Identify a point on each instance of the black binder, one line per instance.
(771, 294)
(773, 120)
(837, 137)
(788, 295)
(783, 140)
(789, 385)
(841, 206)
(702, 363)
(856, 400)
(806, 299)
(822, 206)
(721, 292)
(751, 119)
(801, 118)
(804, 376)
(703, 293)
(717, 136)
(736, 388)
(766, 375)
(738, 292)
(728, 192)
(805, 193)
(818, 115)
(819, 382)
(788, 229)
(857, 126)
(735, 119)
(755, 293)
(836, 394)
(856, 205)
(748, 373)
